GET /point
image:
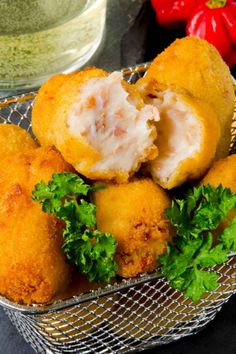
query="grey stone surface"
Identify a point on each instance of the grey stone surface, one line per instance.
(10, 341)
(132, 37)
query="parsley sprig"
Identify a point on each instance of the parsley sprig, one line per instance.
(85, 246)
(193, 250)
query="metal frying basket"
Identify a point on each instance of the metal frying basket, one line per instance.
(126, 317)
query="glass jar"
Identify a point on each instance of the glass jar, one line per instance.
(39, 38)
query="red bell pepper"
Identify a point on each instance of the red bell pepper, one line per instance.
(174, 13)
(215, 21)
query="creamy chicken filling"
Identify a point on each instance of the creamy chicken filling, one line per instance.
(179, 134)
(106, 118)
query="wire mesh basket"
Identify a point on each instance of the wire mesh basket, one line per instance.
(126, 317)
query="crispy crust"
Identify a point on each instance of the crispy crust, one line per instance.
(195, 167)
(134, 214)
(14, 139)
(222, 172)
(33, 268)
(49, 120)
(194, 64)
(50, 111)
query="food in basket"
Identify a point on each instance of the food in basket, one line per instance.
(195, 65)
(187, 134)
(67, 197)
(14, 139)
(106, 129)
(134, 214)
(98, 122)
(33, 268)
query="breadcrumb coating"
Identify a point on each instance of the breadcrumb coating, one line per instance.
(134, 214)
(98, 122)
(33, 268)
(195, 65)
(188, 133)
(222, 172)
(14, 139)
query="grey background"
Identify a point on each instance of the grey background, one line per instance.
(132, 37)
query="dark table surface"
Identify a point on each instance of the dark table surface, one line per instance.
(132, 37)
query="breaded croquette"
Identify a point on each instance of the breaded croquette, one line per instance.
(195, 65)
(45, 109)
(33, 268)
(222, 172)
(187, 134)
(98, 122)
(134, 214)
(14, 139)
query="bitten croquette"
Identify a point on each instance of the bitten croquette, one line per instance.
(188, 133)
(98, 122)
(195, 65)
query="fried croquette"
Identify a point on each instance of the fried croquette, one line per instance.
(187, 134)
(33, 268)
(44, 110)
(195, 65)
(14, 139)
(222, 172)
(98, 122)
(134, 214)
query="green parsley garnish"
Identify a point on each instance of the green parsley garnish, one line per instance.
(193, 249)
(86, 247)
